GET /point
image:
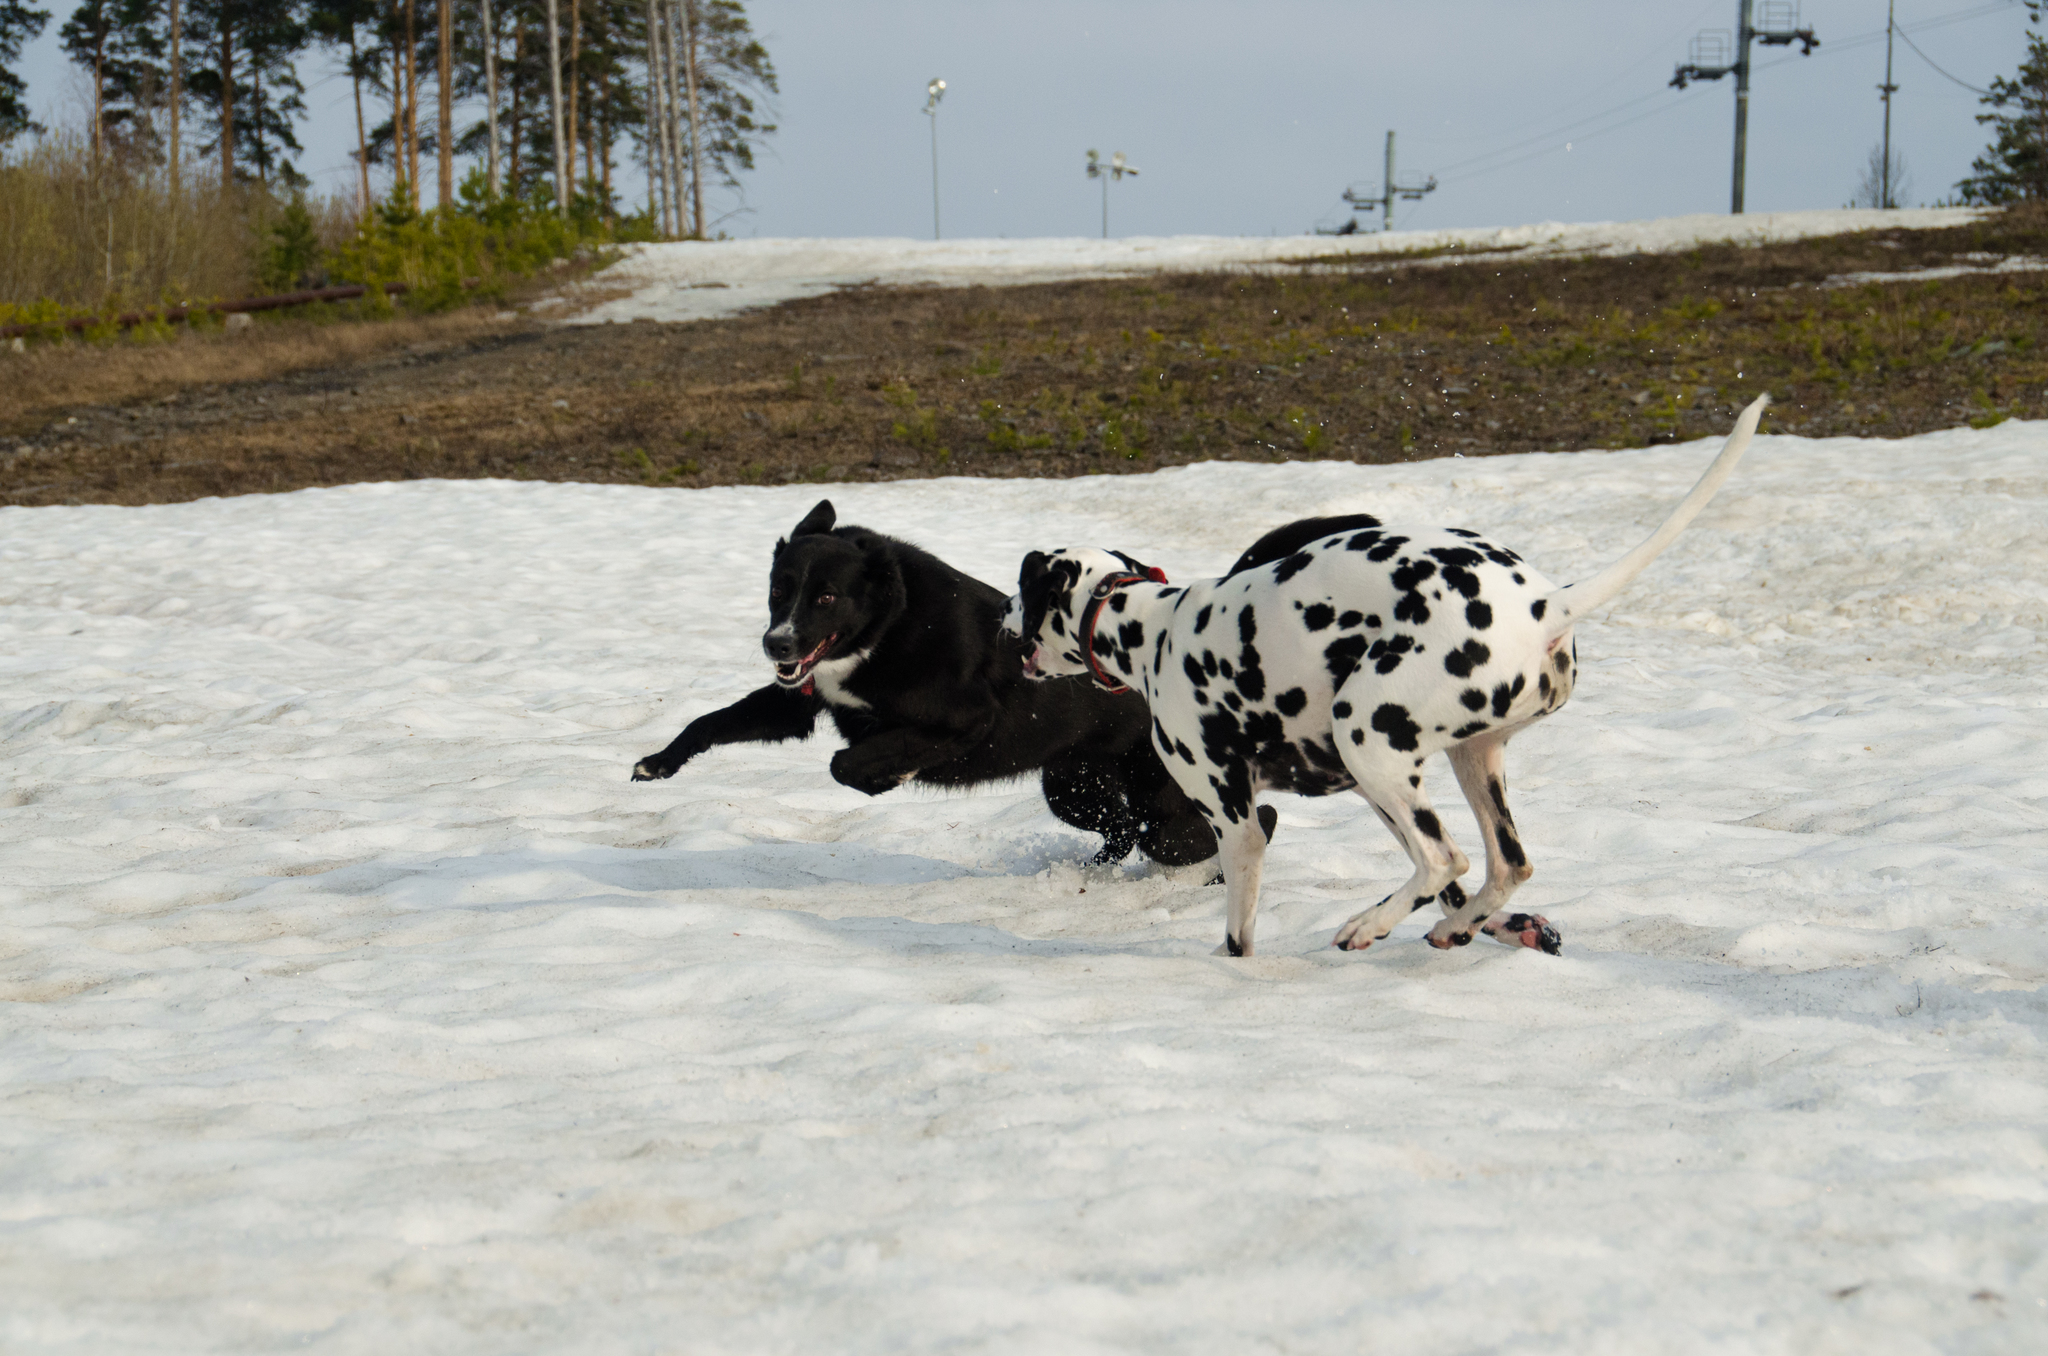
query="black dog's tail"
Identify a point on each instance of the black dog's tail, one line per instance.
(1573, 602)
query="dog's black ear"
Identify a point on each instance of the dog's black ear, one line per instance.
(1135, 565)
(819, 519)
(1034, 565)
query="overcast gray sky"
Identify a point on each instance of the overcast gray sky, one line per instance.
(1250, 119)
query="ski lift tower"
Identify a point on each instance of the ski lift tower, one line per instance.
(1115, 169)
(1383, 201)
(1776, 25)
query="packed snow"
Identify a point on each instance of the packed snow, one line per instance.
(700, 280)
(357, 1002)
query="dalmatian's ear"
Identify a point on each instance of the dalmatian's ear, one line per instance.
(1036, 563)
(1136, 566)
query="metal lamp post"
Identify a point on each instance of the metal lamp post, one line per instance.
(1115, 169)
(934, 92)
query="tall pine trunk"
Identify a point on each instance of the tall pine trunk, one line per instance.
(444, 80)
(227, 106)
(491, 99)
(659, 159)
(412, 105)
(555, 105)
(575, 85)
(355, 80)
(691, 37)
(177, 94)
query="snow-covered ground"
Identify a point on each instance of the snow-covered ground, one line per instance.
(702, 281)
(356, 1002)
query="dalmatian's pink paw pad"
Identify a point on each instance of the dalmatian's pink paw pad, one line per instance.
(1531, 930)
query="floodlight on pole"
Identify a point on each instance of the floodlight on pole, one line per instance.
(1774, 23)
(1115, 169)
(933, 92)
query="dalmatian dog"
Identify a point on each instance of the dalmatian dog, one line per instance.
(1343, 666)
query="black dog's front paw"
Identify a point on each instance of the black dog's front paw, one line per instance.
(866, 780)
(660, 766)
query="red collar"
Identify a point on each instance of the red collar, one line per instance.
(1093, 612)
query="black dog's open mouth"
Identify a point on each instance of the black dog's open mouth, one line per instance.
(799, 672)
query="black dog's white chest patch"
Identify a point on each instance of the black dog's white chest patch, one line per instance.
(831, 677)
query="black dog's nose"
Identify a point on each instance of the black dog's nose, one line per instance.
(780, 648)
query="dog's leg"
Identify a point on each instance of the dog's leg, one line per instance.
(1090, 794)
(1242, 846)
(1481, 765)
(764, 716)
(1391, 779)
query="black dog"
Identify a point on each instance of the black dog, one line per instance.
(907, 654)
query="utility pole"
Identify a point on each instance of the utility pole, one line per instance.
(1383, 201)
(1115, 169)
(1887, 89)
(1780, 28)
(934, 92)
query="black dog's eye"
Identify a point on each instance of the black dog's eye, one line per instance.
(776, 595)
(827, 599)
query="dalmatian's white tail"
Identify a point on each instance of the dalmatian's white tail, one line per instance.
(1574, 602)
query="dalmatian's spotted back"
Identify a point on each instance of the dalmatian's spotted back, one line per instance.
(1344, 665)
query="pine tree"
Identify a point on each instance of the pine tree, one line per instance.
(121, 45)
(18, 24)
(2015, 165)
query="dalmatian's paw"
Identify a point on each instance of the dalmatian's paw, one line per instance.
(1358, 933)
(1443, 937)
(1526, 929)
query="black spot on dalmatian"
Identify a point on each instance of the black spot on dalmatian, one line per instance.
(1518, 578)
(1415, 781)
(1459, 556)
(1187, 755)
(1225, 667)
(1562, 661)
(1372, 620)
(1474, 699)
(1467, 731)
(1131, 635)
(1412, 609)
(1398, 726)
(1538, 608)
(1209, 662)
(1202, 618)
(1500, 555)
(1478, 615)
(1426, 820)
(1460, 662)
(1466, 533)
(1251, 679)
(1412, 574)
(1236, 947)
(1510, 846)
(1463, 580)
(1341, 710)
(1247, 626)
(1350, 620)
(1341, 656)
(1357, 735)
(1291, 566)
(1386, 654)
(1362, 541)
(1515, 690)
(1319, 616)
(1291, 702)
(1543, 684)
(1194, 671)
(1502, 695)
(1386, 549)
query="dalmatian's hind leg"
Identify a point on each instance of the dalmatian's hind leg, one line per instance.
(1390, 777)
(1481, 765)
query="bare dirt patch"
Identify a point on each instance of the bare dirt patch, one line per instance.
(1361, 362)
